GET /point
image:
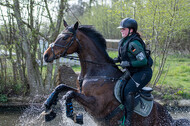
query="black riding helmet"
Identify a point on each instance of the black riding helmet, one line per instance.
(129, 23)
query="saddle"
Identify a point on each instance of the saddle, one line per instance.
(143, 99)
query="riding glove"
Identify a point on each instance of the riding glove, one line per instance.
(125, 64)
(116, 60)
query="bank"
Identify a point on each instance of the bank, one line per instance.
(23, 102)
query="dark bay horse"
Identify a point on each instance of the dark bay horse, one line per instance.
(97, 79)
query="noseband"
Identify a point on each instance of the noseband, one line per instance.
(66, 47)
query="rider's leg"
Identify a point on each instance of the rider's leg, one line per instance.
(136, 82)
(129, 91)
(129, 106)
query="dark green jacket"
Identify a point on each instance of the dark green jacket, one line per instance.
(130, 49)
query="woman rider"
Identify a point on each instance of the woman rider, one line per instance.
(135, 60)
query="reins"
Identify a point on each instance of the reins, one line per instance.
(88, 61)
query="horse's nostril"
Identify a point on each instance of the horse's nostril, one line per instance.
(46, 57)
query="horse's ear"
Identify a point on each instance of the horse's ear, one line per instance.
(76, 25)
(65, 23)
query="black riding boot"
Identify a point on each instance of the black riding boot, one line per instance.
(129, 106)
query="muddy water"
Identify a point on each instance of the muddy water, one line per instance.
(31, 117)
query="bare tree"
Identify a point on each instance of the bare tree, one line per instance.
(26, 45)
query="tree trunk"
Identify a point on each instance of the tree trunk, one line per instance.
(31, 73)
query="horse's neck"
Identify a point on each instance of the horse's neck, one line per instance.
(91, 63)
(95, 63)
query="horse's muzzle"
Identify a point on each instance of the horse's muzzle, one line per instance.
(46, 57)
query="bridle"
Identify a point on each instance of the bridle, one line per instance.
(66, 47)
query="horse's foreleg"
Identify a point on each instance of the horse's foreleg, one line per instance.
(52, 99)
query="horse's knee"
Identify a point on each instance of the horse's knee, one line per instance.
(59, 88)
(69, 95)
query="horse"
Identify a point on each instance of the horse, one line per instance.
(96, 81)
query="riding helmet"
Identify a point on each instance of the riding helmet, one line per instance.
(129, 23)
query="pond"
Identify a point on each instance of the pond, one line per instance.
(31, 117)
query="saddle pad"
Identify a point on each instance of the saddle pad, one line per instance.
(144, 108)
(117, 92)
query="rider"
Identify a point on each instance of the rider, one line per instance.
(136, 62)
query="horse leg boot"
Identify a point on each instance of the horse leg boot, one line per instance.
(69, 108)
(129, 107)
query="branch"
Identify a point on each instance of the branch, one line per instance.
(6, 5)
(49, 15)
(39, 33)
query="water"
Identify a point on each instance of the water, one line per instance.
(31, 117)
(9, 118)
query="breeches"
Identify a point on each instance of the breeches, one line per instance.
(138, 80)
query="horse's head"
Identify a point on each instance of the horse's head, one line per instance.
(65, 43)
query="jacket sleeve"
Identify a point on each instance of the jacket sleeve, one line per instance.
(137, 50)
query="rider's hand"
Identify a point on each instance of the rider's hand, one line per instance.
(125, 64)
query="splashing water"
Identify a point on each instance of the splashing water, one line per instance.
(34, 116)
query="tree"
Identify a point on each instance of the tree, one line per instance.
(29, 16)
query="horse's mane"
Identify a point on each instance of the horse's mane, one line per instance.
(96, 37)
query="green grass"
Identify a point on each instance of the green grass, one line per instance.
(179, 72)
(76, 68)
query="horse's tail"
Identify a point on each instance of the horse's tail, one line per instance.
(181, 122)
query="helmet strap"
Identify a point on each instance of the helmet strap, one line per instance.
(129, 32)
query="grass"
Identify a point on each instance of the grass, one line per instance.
(176, 84)
(179, 73)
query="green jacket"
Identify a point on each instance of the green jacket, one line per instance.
(132, 50)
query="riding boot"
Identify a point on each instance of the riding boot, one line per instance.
(129, 107)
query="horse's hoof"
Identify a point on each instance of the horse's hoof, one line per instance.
(50, 116)
(78, 119)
